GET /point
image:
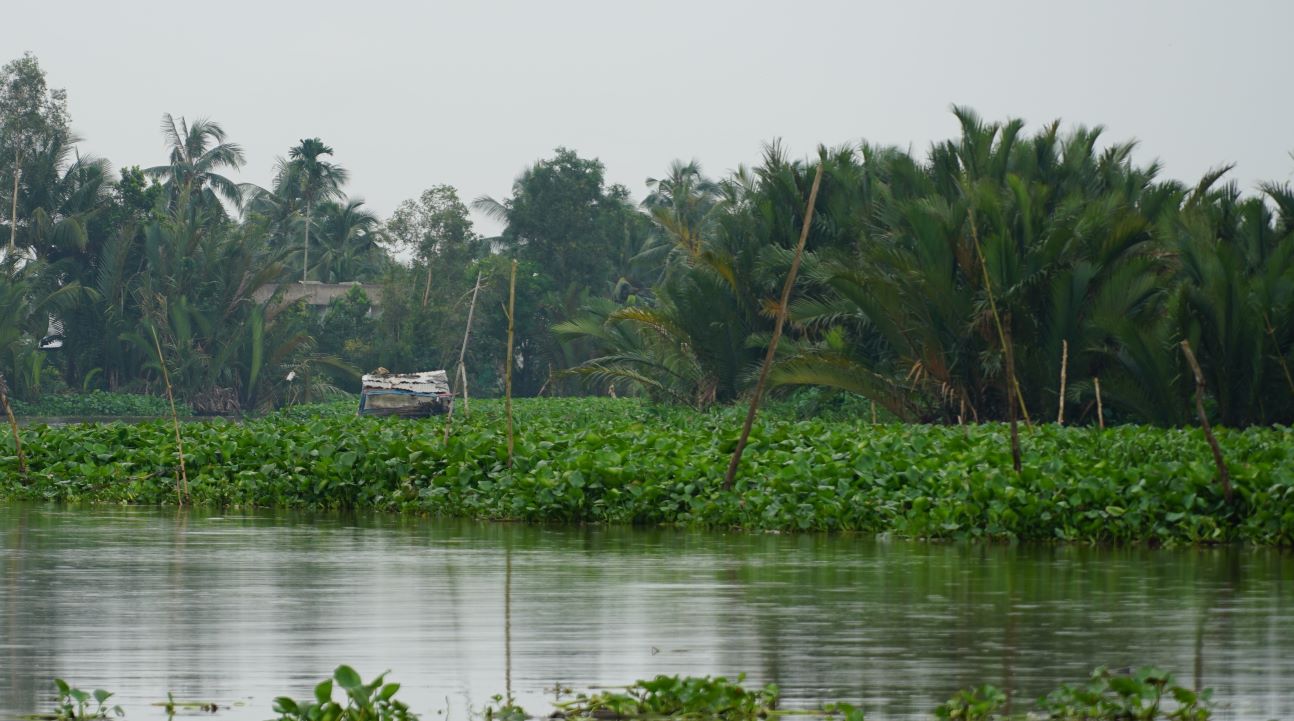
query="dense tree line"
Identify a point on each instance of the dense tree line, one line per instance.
(175, 258)
(924, 276)
(929, 281)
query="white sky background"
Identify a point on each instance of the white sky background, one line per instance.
(412, 94)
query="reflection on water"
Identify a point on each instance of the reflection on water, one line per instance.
(242, 607)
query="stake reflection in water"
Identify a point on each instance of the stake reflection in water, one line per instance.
(507, 621)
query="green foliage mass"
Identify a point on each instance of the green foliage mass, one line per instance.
(73, 704)
(372, 701)
(99, 403)
(606, 461)
(931, 283)
(1146, 694)
(679, 697)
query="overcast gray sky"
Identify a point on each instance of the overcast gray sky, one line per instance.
(412, 94)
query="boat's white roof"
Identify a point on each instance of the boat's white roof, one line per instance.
(424, 382)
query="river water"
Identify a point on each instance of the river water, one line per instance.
(239, 608)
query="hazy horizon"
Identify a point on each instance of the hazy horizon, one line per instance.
(470, 94)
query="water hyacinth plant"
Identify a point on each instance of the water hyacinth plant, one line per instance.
(1146, 694)
(372, 701)
(609, 461)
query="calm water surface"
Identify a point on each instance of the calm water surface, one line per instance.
(240, 608)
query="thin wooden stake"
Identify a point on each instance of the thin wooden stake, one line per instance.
(1011, 390)
(997, 319)
(426, 290)
(462, 369)
(777, 332)
(1100, 410)
(1223, 474)
(873, 412)
(467, 334)
(462, 380)
(13, 425)
(175, 419)
(507, 622)
(512, 301)
(1064, 367)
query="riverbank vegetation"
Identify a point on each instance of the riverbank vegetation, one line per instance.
(626, 461)
(97, 403)
(1041, 273)
(1146, 694)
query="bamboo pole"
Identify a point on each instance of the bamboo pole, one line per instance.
(1064, 367)
(997, 319)
(1223, 474)
(1012, 390)
(1013, 395)
(175, 420)
(462, 368)
(512, 301)
(462, 382)
(467, 334)
(507, 622)
(426, 289)
(13, 425)
(1100, 410)
(777, 331)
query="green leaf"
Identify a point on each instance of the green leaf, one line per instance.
(1184, 696)
(347, 677)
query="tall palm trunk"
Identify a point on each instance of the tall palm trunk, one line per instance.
(426, 291)
(13, 213)
(305, 258)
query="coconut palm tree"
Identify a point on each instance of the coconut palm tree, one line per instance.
(348, 236)
(66, 192)
(681, 206)
(199, 152)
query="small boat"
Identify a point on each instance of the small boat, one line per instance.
(409, 395)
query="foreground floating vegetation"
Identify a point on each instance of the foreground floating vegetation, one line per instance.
(1143, 695)
(623, 461)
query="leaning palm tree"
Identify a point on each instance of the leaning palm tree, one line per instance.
(199, 152)
(65, 193)
(306, 176)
